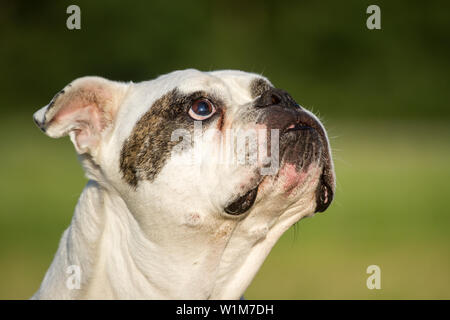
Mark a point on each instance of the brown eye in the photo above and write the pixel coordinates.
(201, 109)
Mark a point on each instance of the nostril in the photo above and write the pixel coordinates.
(275, 99)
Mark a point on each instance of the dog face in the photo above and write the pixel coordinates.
(220, 158)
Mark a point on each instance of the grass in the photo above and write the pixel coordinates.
(390, 210)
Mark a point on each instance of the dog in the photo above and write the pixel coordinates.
(163, 217)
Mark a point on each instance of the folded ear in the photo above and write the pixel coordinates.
(82, 110)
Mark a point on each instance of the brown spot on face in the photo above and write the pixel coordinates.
(258, 86)
(147, 149)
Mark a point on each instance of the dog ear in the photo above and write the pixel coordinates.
(84, 109)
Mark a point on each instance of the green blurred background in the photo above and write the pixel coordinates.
(383, 96)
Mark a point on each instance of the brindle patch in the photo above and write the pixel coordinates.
(258, 86)
(147, 149)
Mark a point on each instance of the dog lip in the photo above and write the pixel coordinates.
(243, 203)
(325, 188)
(324, 193)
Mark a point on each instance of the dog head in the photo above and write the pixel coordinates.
(220, 159)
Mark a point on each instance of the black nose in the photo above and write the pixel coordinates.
(276, 97)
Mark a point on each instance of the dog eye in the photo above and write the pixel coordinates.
(201, 109)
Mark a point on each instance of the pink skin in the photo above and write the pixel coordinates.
(292, 177)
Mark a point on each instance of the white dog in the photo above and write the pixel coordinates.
(164, 218)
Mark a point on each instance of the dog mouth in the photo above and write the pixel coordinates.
(324, 194)
(325, 187)
(295, 141)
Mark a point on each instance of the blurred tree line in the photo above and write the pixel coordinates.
(320, 51)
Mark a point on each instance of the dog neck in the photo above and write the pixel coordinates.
(116, 259)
